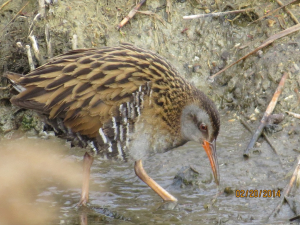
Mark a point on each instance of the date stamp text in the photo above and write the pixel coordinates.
(257, 193)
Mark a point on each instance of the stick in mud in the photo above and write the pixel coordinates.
(266, 115)
(48, 41)
(42, 9)
(288, 11)
(264, 44)
(35, 48)
(296, 115)
(4, 4)
(270, 13)
(131, 14)
(14, 18)
(29, 56)
(263, 133)
(74, 42)
(287, 190)
(216, 14)
(265, 136)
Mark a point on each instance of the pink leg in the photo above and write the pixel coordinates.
(87, 163)
(141, 173)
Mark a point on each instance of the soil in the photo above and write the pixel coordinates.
(198, 48)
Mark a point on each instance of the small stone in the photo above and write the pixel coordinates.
(196, 58)
(228, 191)
(256, 152)
(257, 144)
(19, 45)
(273, 128)
(275, 118)
(196, 68)
(259, 53)
(187, 176)
(232, 84)
(296, 67)
(291, 131)
(169, 205)
(271, 23)
(190, 34)
(225, 55)
(252, 117)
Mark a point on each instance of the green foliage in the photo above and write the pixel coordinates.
(27, 122)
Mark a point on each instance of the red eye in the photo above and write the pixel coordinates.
(203, 127)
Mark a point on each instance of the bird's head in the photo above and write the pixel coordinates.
(200, 122)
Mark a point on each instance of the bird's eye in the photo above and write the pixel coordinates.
(203, 127)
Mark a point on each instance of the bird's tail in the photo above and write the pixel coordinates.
(14, 79)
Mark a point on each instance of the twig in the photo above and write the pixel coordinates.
(19, 45)
(35, 47)
(296, 115)
(42, 7)
(268, 112)
(74, 42)
(268, 14)
(298, 95)
(131, 14)
(288, 11)
(270, 143)
(216, 14)
(33, 21)
(246, 125)
(4, 4)
(264, 134)
(168, 9)
(15, 16)
(152, 14)
(287, 189)
(48, 41)
(281, 21)
(264, 44)
(30, 60)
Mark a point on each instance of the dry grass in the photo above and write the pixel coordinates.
(27, 166)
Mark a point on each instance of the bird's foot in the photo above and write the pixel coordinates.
(83, 201)
(169, 205)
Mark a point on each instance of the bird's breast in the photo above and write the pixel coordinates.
(151, 135)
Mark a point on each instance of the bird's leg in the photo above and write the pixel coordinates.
(87, 163)
(141, 173)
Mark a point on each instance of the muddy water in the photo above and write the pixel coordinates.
(118, 197)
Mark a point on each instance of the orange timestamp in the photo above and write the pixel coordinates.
(257, 193)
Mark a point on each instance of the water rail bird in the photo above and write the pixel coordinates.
(120, 102)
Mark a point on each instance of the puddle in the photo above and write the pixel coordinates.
(117, 196)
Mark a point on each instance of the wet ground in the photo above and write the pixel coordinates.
(197, 48)
(118, 197)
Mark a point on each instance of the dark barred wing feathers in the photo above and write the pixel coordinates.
(97, 94)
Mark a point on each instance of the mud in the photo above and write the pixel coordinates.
(197, 48)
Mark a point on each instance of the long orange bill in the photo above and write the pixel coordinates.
(210, 149)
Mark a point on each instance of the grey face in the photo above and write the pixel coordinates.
(196, 124)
